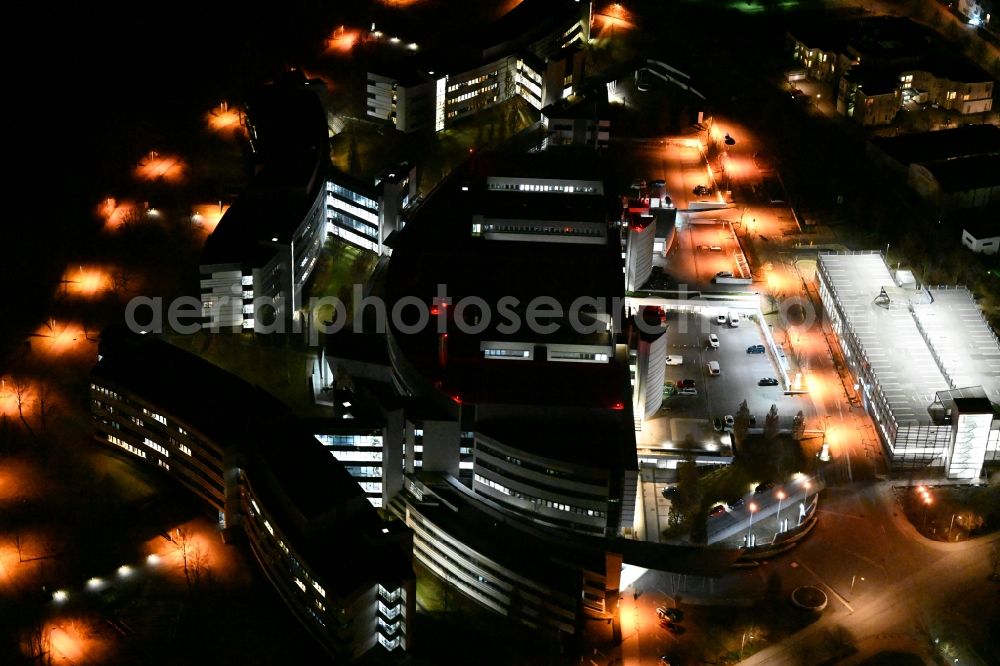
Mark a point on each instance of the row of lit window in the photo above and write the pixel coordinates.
(155, 416)
(537, 500)
(106, 392)
(357, 211)
(536, 187)
(509, 353)
(128, 447)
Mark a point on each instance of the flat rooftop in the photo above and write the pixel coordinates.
(900, 358)
(968, 351)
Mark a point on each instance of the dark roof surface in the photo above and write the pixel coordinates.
(943, 144)
(966, 173)
(273, 207)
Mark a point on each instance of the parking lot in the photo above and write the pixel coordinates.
(701, 251)
(689, 417)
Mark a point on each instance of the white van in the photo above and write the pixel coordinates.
(713, 368)
(734, 320)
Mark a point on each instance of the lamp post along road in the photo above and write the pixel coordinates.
(751, 508)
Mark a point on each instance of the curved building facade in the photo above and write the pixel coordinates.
(344, 572)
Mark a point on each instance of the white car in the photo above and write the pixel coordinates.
(675, 360)
(687, 391)
(713, 341)
(720, 319)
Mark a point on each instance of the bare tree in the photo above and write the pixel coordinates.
(44, 403)
(22, 390)
(194, 558)
(799, 426)
(120, 280)
(18, 538)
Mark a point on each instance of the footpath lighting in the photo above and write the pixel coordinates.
(59, 596)
(152, 559)
(124, 571)
(94, 583)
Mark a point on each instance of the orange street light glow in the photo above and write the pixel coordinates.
(156, 167)
(343, 40)
(207, 215)
(223, 119)
(115, 213)
(781, 494)
(87, 281)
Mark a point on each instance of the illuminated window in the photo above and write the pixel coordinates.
(302, 586)
(951, 94)
(184, 449)
(319, 588)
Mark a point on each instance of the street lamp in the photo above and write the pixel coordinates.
(853, 579)
(927, 502)
(751, 507)
(781, 496)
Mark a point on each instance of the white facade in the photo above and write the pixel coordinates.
(983, 244)
(904, 346)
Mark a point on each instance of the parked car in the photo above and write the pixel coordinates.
(753, 420)
(736, 503)
(672, 614)
(730, 421)
(675, 360)
(659, 182)
(755, 349)
(767, 381)
(670, 492)
(717, 510)
(713, 341)
(714, 368)
(715, 248)
(701, 190)
(685, 383)
(719, 424)
(723, 274)
(687, 391)
(763, 487)
(720, 319)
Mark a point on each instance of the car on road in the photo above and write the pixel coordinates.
(753, 420)
(763, 487)
(670, 492)
(687, 391)
(714, 369)
(701, 190)
(736, 503)
(719, 424)
(715, 248)
(717, 510)
(755, 349)
(730, 421)
(767, 381)
(723, 274)
(657, 182)
(713, 341)
(638, 184)
(675, 360)
(720, 319)
(685, 383)
(672, 614)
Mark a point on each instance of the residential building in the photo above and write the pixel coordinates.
(527, 53)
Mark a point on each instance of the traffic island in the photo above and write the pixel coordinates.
(809, 598)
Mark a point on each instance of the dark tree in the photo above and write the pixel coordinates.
(771, 423)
